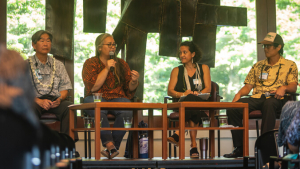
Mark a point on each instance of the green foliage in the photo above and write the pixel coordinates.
(24, 18)
(235, 46)
(157, 72)
(283, 4)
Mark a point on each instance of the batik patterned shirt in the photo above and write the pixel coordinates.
(282, 73)
(111, 89)
(44, 73)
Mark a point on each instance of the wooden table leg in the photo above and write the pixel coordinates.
(97, 133)
(85, 144)
(181, 132)
(150, 134)
(212, 134)
(135, 140)
(164, 133)
(71, 123)
(246, 132)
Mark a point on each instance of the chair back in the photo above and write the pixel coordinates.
(265, 146)
(214, 94)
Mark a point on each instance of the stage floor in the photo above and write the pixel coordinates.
(121, 162)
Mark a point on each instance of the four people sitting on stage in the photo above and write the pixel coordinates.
(50, 80)
(107, 74)
(189, 80)
(111, 76)
(275, 75)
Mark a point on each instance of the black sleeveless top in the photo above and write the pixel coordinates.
(181, 85)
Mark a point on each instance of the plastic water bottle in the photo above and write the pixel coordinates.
(143, 146)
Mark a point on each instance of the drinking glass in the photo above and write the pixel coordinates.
(205, 121)
(127, 122)
(97, 97)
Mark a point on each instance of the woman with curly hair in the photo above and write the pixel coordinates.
(190, 79)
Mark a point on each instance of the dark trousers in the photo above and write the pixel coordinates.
(61, 112)
(269, 108)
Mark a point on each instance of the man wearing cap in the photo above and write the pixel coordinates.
(50, 80)
(275, 75)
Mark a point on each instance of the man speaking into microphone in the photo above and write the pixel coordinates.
(274, 75)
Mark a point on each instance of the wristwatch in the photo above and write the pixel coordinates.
(60, 98)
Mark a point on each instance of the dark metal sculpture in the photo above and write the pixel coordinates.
(173, 19)
(94, 15)
(60, 22)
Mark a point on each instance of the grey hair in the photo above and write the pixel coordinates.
(99, 42)
(37, 36)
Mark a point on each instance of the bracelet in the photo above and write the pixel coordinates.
(182, 94)
(176, 95)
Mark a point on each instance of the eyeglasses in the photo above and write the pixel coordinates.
(111, 44)
(267, 46)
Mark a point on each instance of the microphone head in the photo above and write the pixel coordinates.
(111, 53)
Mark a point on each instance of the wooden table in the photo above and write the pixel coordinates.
(123, 106)
(211, 106)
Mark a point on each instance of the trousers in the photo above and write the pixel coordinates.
(269, 108)
(61, 112)
(107, 135)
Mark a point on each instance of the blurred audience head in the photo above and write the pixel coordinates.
(16, 90)
(293, 133)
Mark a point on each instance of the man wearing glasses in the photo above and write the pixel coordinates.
(275, 75)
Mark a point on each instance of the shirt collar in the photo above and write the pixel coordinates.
(48, 61)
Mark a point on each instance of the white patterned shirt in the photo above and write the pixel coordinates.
(44, 73)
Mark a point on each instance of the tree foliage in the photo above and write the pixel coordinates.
(235, 46)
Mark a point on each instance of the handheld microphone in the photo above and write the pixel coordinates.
(267, 94)
(111, 54)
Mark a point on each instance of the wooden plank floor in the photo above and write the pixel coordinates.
(121, 162)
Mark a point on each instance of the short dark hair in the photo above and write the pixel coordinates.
(281, 50)
(192, 48)
(37, 36)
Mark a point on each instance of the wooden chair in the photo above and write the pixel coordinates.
(51, 121)
(174, 116)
